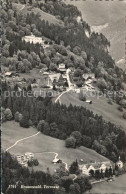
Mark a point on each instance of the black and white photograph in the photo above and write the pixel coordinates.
(63, 96)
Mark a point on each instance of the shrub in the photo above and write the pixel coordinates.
(36, 163)
(120, 108)
(70, 142)
(81, 96)
(110, 101)
(20, 116)
(24, 122)
(16, 116)
(8, 114)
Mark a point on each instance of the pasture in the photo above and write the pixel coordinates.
(99, 106)
(43, 15)
(41, 145)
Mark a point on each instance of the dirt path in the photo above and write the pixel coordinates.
(22, 140)
(58, 98)
(56, 157)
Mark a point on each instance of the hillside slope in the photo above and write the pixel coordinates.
(109, 13)
(41, 146)
(100, 106)
(44, 16)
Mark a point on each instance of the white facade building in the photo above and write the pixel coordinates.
(119, 163)
(33, 39)
(86, 168)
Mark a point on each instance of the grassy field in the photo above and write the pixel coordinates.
(100, 106)
(41, 144)
(11, 132)
(117, 186)
(44, 16)
(34, 74)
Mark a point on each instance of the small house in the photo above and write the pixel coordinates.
(29, 155)
(62, 67)
(56, 161)
(9, 74)
(89, 101)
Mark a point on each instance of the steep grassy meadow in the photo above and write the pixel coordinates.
(107, 17)
(99, 106)
(44, 16)
(41, 145)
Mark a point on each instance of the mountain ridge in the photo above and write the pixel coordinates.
(98, 13)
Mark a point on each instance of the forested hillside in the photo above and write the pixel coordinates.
(59, 121)
(90, 52)
(63, 39)
(107, 17)
(75, 35)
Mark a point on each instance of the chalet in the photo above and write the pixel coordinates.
(9, 74)
(62, 67)
(29, 155)
(89, 101)
(56, 161)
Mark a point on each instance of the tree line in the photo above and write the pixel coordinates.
(77, 125)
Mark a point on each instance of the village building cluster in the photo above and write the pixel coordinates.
(23, 159)
(54, 80)
(61, 79)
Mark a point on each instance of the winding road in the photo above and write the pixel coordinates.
(56, 157)
(69, 84)
(58, 98)
(56, 154)
(22, 140)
